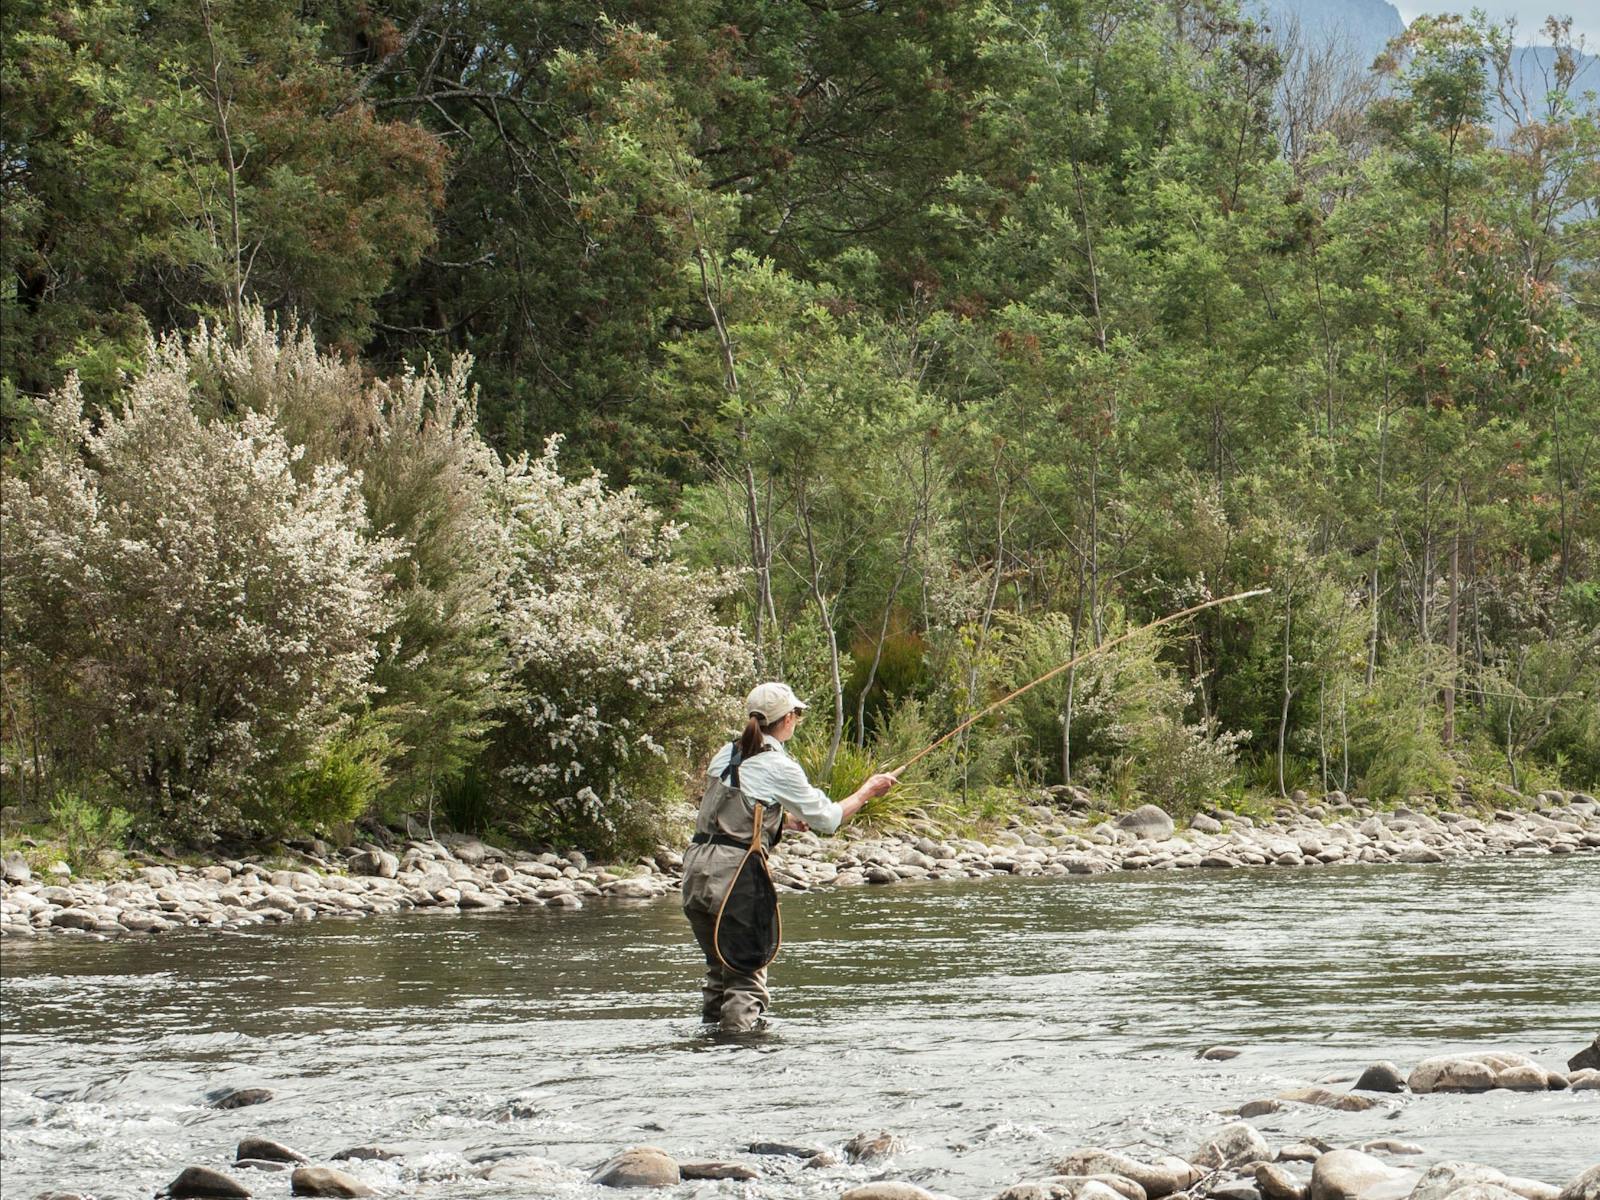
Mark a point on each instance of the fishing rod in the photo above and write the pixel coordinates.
(1072, 662)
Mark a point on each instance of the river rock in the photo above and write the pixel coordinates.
(239, 1097)
(1276, 1183)
(872, 1147)
(1235, 1145)
(638, 1166)
(253, 1147)
(717, 1170)
(15, 867)
(1157, 1181)
(1587, 1059)
(1584, 1187)
(631, 889)
(203, 1182)
(783, 1150)
(1259, 1108)
(1352, 1175)
(1478, 1073)
(1321, 1097)
(1381, 1077)
(1147, 821)
(326, 1181)
(1390, 1146)
(890, 1189)
(375, 862)
(367, 1154)
(1220, 1053)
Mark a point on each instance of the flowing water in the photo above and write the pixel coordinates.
(989, 1024)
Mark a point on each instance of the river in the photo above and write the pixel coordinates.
(990, 1024)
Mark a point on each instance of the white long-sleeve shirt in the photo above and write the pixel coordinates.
(773, 776)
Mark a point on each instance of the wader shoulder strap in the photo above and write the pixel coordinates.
(730, 773)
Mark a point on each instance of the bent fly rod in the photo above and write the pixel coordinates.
(1072, 662)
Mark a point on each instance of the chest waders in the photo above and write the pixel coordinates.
(748, 928)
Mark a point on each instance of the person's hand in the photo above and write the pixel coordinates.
(795, 825)
(878, 785)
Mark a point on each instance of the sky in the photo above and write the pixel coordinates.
(1530, 15)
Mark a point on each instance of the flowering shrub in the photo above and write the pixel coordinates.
(621, 669)
(183, 614)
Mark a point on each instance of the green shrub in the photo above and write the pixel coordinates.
(335, 788)
(88, 831)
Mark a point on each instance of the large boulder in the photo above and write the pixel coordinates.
(326, 1181)
(638, 1166)
(15, 867)
(1276, 1183)
(1352, 1175)
(1147, 821)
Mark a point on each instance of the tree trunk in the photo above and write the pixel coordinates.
(1452, 628)
(1288, 692)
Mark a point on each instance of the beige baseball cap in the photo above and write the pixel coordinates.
(771, 702)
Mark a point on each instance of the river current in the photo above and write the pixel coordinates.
(990, 1024)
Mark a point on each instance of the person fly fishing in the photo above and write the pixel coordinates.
(754, 791)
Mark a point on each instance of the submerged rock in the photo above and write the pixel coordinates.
(871, 1147)
(783, 1149)
(239, 1097)
(1220, 1053)
(367, 1154)
(638, 1166)
(1157, 1181)
(1321, 1097)
(326, 1181)
(203, 1183)
(717, 1170)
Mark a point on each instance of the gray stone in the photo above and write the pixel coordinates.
(1381, 1077)
(1078, 1187)
(367, 1154)
(1235, 1145)
(203, 1182)
(1147, 821)
(1585, 1187)
(1221, 1053)
(375, 862)
(890, 1189)
(253, 1147)
(872, 1147)
(783, 1150)
(638, 1166)
(15, 868)
(1276, 1183)
(717, 1170)
(1352, 1175)
(75, 918)
(326, 1181)
(1390, 1146)
(1259, 1108)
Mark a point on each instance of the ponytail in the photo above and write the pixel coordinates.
(752, 739)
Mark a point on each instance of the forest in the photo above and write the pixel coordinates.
(454, 406)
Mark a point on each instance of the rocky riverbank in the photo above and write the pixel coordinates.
(396, 871)
(1235, 1161)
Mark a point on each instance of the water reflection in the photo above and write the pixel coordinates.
(991, 1024)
